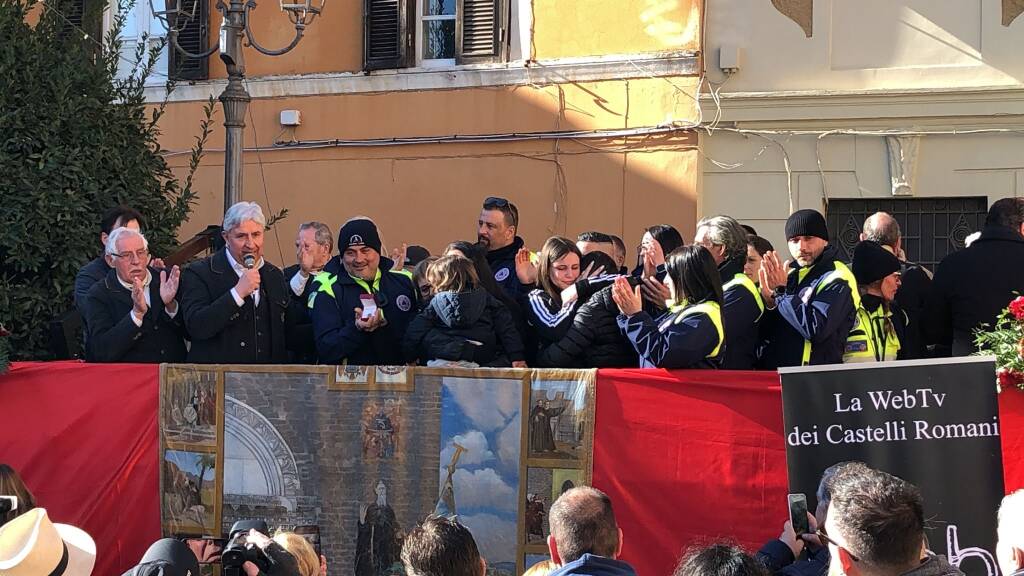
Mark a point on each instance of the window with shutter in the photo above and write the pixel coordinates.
(387, 36)
(84, 16)
(193, 37)
(481, 31)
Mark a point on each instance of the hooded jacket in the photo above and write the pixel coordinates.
(503, 264)
(816, 307)
(472, 326)
(332, 305)
(590, 565)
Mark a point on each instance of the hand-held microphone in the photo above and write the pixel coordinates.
(249, 261)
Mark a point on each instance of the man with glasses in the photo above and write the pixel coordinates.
(236, 304)
(133, 311)
(496, 232)
(875, 527)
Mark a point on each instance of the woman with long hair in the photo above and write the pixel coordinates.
(690, 333)
(12, 485)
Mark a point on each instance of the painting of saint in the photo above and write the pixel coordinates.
(534, 518)
(542, 438)
(381, 425)
(377, 544)
(189, 490)
(189, 407)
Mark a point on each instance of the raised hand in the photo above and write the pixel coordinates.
(169, 286)
(655, 291)
(139, 305)
(526, 270)
(398, 257)
(626, 298)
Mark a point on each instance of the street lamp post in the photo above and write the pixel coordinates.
(235, 98)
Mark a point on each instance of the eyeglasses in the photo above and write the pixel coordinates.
(824, 538)
(139, 255)
(425, 289)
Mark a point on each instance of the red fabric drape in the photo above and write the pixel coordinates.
(84, 439)
(687, 457)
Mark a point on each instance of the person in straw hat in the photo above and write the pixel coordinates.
(31, 545)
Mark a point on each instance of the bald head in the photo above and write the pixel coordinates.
(881, 227)
(582, 522)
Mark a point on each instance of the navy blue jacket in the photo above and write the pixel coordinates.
(334, 327)
(503, 264)
(593, 340)
(665, 343)
(590, 565)
(741, 315)
(778, 558)
(823, 317)
(94, 271)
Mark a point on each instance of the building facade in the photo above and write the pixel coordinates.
(534, 90)
(910, 106)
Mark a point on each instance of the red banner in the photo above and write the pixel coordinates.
(687, 457)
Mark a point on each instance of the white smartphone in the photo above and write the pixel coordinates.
(369, 306)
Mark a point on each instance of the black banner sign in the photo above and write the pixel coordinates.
(934, 423)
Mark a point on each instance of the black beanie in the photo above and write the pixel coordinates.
(872, 262)
(359, 232)
(806, 223)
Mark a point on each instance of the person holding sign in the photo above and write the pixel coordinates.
(360, 305)
(816, 296)
(876, 336)
(690, 334)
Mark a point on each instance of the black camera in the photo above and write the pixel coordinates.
(8, 503)
(239, 550)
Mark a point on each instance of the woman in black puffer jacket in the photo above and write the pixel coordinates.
(463, 322)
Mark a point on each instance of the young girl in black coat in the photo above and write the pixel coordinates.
(463, 322)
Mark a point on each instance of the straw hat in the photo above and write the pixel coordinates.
(31, 545)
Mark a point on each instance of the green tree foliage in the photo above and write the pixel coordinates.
(75, 140)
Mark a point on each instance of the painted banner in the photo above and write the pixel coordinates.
(934, 423)
(354, 457)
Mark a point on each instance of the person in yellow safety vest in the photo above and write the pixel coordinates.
(690, 334)
(360, 305)
(742, 306)
(880, 323)
(815, 297)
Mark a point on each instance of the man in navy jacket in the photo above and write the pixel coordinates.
(351, 282)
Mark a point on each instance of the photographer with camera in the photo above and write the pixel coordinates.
(251, 552)
(15, 497)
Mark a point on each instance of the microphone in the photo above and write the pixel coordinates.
(249, 261)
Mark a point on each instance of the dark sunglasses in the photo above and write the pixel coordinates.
(824, 538)
(496, 202)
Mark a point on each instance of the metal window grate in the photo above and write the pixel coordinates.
(931, 227)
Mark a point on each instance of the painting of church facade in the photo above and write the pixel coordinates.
(359, 465)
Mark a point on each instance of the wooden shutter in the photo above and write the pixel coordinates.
(481, 31)
(194, 37)
(388, 33)
(84, 16)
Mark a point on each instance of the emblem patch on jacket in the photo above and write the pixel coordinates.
(403, 302)
(501, 275)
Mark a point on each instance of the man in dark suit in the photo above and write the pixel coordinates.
(132, 312)
(313, 247)
(234, 303)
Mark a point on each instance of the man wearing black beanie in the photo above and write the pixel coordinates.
(360, 306)
(880, 324)
(815, 297)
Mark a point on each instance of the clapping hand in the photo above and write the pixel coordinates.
(526, 270)
(398, 257)
(771, 275)
(169, 288)
(655, 291)
(139, 305)
(626, 297)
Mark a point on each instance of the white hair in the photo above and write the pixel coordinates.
(1011, 520)
(242, 212)
(122, 233)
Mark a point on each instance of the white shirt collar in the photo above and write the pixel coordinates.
(238, 268)
(128, 286)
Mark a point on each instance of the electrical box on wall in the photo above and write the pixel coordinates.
(291, 118)
(730, 57)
